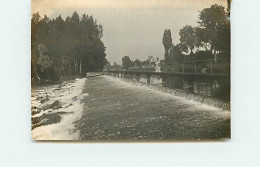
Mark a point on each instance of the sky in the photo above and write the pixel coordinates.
(132, 28)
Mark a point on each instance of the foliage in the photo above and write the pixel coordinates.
(167, 43)
(126, 62)
(74, 44)
(167, 39)
(214, 28)
(175, 53)
(211, 39)
(188, 38)
(137, 63)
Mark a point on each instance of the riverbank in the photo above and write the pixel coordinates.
(42, 83)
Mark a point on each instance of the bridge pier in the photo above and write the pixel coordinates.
(164, 80)
(137, 77)
(148, 79)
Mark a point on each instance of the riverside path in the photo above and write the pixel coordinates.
(118, 111)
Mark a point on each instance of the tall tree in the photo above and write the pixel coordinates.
(35, 21)
(167, 43)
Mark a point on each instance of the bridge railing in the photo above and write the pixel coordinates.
(209, 67)
(221, 66)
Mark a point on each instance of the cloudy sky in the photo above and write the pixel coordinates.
(131, 27)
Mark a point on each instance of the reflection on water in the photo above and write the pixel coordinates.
(207, 86)
(215, 88)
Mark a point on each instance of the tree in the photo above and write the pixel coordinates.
(167, 43)
(137, 63)
(126, 62)
(188, 38)
(35, 20)
(74, 45)
(212, 21)
(175, 53)
(34, 37)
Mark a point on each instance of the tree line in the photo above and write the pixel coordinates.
(210, 39)
(69, 47)
(128, 63)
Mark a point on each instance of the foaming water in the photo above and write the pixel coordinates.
(69, 108)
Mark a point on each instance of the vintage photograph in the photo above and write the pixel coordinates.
(130, 70)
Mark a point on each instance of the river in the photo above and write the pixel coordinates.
(106, 109)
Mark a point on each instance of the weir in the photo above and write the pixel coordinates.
(211, 89)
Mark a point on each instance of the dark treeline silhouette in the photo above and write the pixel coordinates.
(69, 47)
(209, 40)
(127, 63)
